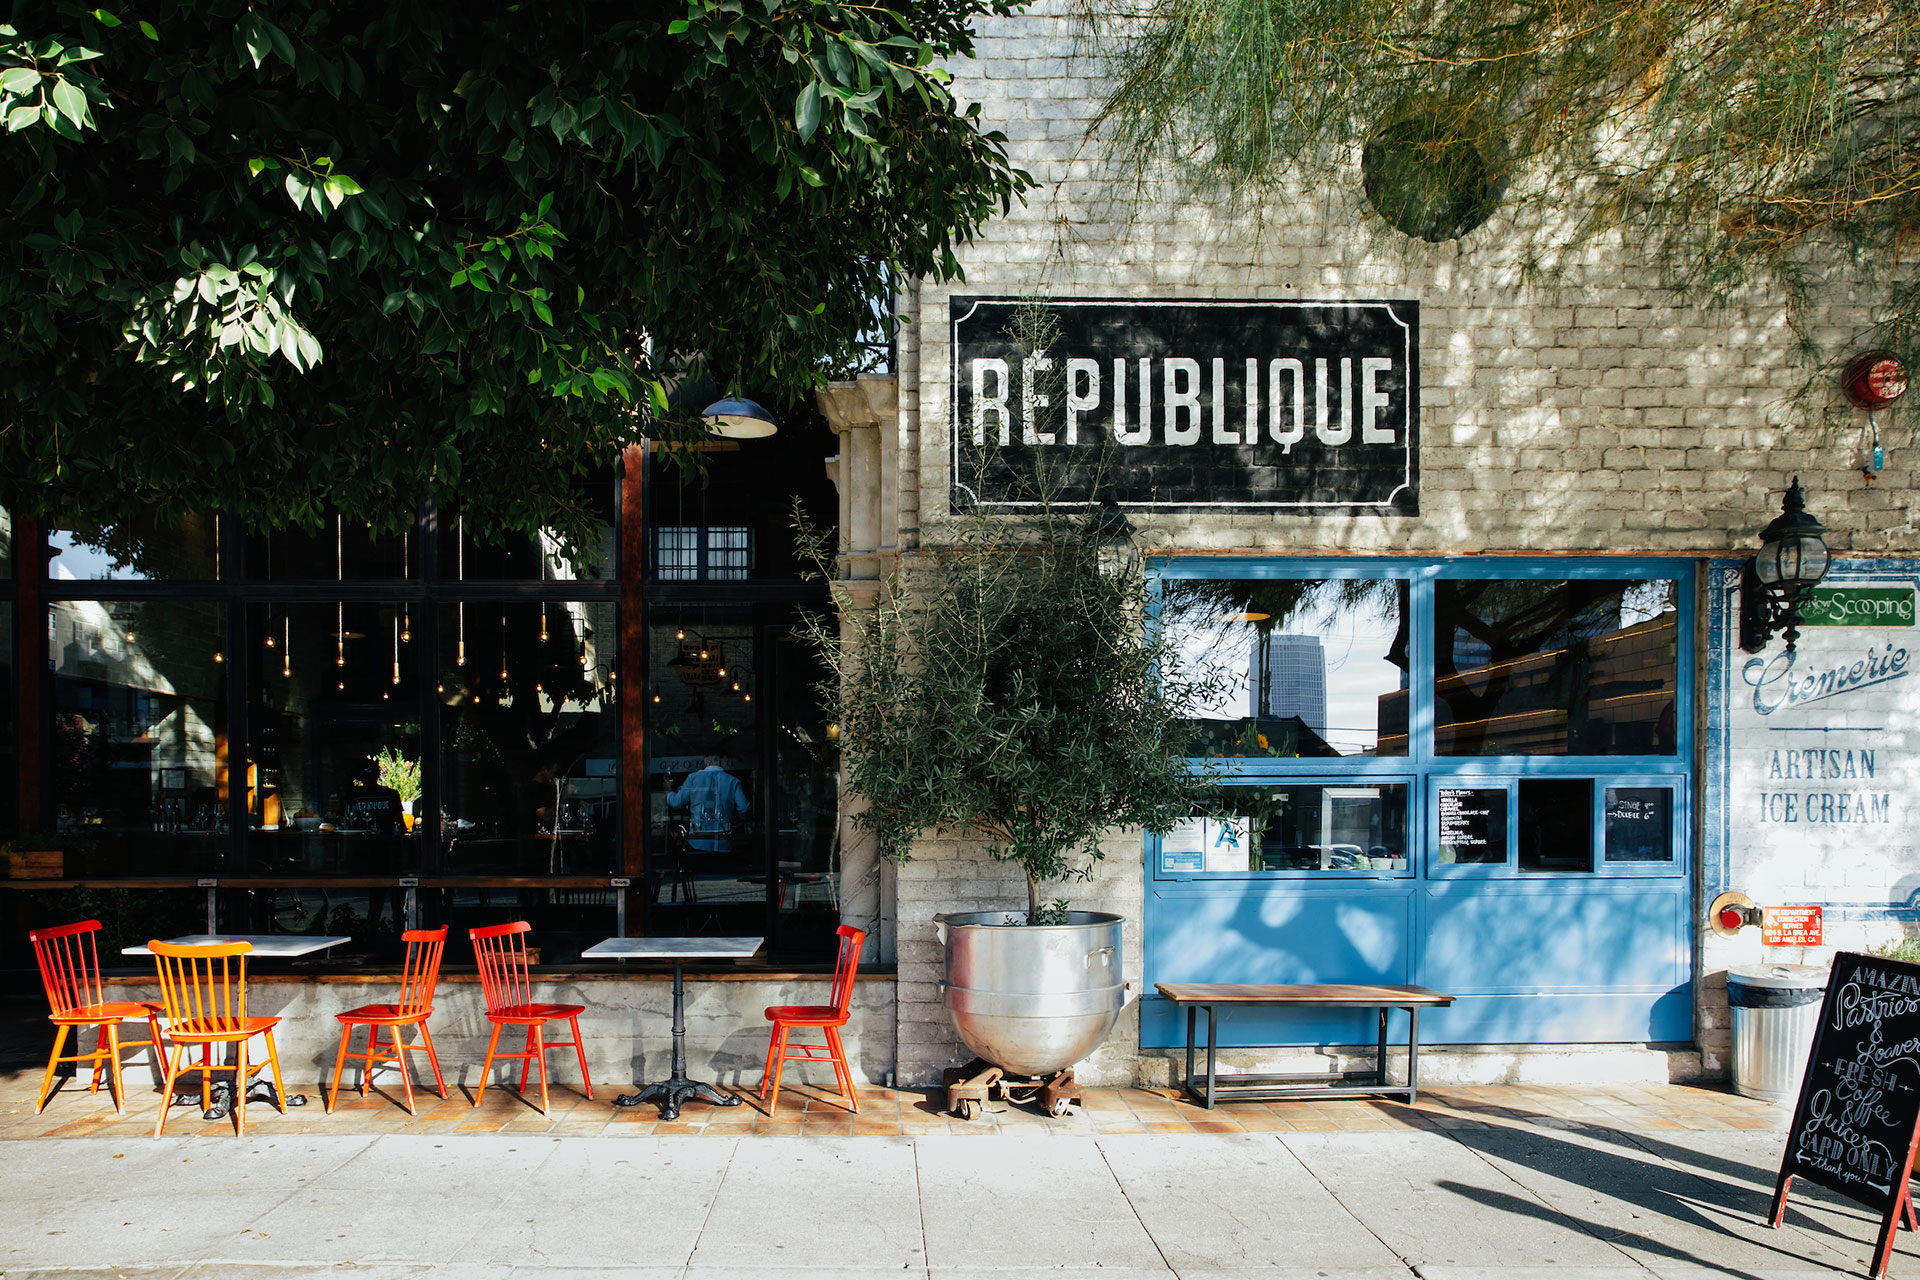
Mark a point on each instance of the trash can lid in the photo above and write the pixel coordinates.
(1790, 976)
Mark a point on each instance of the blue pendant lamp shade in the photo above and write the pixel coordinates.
(739, 418)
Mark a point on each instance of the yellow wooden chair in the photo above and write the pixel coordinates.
(204, 990)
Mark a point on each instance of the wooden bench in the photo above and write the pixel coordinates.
(1210, 996)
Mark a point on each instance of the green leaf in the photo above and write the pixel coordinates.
(806, 110)
(21, 80)
(69, 100)
(146, 29)
(20, 117)
(678, 27)
(105, 19)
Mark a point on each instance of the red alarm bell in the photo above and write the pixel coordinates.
(1874, 379)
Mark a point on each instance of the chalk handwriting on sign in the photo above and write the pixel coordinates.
(1307, 406)
(1638, 824)
(1473, 824)
(1790, 927)
(1853, 1130)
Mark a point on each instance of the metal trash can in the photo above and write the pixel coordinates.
(1776, 1009)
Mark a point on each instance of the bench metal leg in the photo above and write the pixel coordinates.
(1213, 1048)
(1413, 1053)
(1380, 1051)
(1192, 1012)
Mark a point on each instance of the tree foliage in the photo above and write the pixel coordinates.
(1012, 685)
(1720, 136)
(287, 257)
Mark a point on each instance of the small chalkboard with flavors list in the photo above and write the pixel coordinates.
(1859, 1111)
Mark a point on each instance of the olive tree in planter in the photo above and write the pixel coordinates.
(1010, 684)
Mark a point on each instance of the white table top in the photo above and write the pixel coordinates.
(672, 949)
(264, 944)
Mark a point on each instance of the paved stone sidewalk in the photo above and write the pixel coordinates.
(1473, 1184)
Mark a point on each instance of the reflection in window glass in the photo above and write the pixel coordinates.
(137, 751)
(701, 553)
(370, 919)
(1544, 667)
(137, 547)
(1296, 827)
(565, 921)
(6, 543)
(343, 551)
(707, 853)
(333, 782)
(1556, 824)
(1304, 669)
(529, 738)
(486, 555)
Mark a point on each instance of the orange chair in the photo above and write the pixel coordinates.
(501, 952)
(204, 989)
(828, 1017)
(418, 977)
(69, 958)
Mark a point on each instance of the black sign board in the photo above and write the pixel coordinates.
(1639, 824)
(1854, 1128)
(1473, 824)
(377, 812)
(1304, 407)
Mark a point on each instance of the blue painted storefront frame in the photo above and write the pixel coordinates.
(1602, 956)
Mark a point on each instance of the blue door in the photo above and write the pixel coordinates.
(1474, 777)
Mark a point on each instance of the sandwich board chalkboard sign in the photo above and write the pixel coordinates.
(1855, 1125)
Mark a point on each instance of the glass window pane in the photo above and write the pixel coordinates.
(1639, 824)
(128, 918)
(343, 551)
(9, 746)
(806, 795)
(1545, 667)
(708, 871)
(1472, 825)
(1331, 827)
(481, 555)
(6, 543)
(565, 921)
(529, 738)
(136, 548)
(370, 919)
(334, 776)
(1299, 669)
(137, 758)
(1556, 824)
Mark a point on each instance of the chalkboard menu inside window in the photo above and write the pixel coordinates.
(1639, 824)
(1853, 1130)
(377, 812)
(1473, 824)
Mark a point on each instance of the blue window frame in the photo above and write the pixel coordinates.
(1534, 716)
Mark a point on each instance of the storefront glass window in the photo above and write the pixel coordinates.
(137, 548)
(1303, 668)
(342, 551)
(1531, 666)
(6, 543)
(335, 740)
(529, 738)
(1356, 826)
(479, 555)
(9, 738)
(1556, 824)
(137, 753)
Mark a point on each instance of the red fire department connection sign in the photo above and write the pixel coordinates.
(1790, 927)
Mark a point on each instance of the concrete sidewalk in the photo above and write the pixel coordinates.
(1447, 1191)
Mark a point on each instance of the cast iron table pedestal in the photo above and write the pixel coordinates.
(676, 1088)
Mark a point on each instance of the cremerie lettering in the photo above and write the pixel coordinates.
(1776, 684)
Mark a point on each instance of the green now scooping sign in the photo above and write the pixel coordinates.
(1859, 607)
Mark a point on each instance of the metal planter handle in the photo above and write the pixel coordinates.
(1097, 951)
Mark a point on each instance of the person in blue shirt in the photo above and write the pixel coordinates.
(713, 801)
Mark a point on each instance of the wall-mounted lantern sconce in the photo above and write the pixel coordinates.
(1781, 575)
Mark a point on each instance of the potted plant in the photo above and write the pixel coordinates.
(1012, 686)
(402, 775)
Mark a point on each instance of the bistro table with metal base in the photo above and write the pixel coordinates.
(676, 1088)
(279, 946)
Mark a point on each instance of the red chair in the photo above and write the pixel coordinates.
(828, 1017)
(418, 977)
(69, 958)
(501, 952)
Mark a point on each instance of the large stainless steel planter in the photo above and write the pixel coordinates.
(1032, 999)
